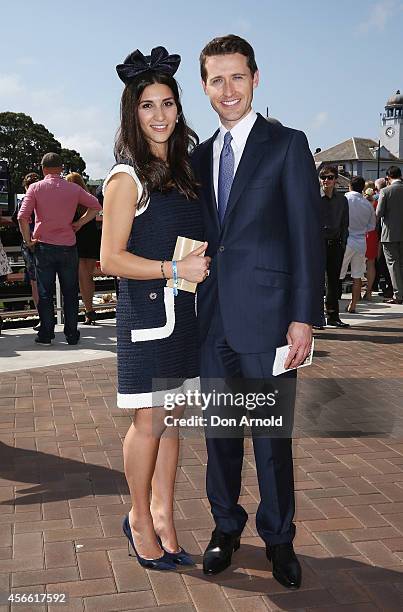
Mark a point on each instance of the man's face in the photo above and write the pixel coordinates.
(328, 181)
(229, 85)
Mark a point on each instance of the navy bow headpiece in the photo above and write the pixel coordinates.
(136, 63)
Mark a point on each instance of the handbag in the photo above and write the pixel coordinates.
(5, 267)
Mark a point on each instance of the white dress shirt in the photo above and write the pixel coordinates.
(361, 220)
(239, 133)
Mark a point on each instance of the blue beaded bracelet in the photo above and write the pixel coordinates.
(175, 277)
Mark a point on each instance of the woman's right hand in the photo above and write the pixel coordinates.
(195, 266)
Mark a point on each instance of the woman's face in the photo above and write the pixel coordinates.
(157, 112)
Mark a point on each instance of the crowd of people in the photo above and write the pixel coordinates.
(362, 234)
(364, 231)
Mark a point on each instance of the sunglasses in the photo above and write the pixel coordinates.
(328, 177)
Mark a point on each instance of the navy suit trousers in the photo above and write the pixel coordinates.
(273, 455)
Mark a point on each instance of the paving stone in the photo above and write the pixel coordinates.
(377, 553)
(303, 599)
(130, 576)
(170, 590)
(121, 601)
(208, 598)
(336, 543)
(48, 576)
(59, 554)
(368, 516)
(93, 565)
(27, 545)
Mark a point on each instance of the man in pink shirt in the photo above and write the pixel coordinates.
(54, 202)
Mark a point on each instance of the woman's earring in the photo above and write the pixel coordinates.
(177, 120)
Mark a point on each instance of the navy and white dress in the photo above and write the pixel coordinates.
(157, 336)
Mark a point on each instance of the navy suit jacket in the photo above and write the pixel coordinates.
(267, 264)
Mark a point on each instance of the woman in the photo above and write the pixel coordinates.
(372, 242)
(5, 270)
(150, 200)
(88, 244)
(27, 254)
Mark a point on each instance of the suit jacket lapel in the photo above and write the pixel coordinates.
(252, 154)
(208, 179)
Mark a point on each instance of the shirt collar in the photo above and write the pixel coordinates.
(398, 180)
(49, 177)
(323, 194)
(240, 131)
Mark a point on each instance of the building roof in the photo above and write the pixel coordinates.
(352, 149)
(395, 101)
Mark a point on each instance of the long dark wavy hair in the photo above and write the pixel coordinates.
(131, 145)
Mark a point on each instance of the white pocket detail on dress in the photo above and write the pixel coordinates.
(157, 333)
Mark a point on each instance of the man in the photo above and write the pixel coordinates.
(261, 206)
(382, 272)
(361, 220)
(390, 211)
(54, 202)
(335, 214)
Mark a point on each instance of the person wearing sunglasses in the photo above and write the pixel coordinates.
(336, 219)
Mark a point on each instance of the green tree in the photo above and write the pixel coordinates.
(73, 162)
(23, 144)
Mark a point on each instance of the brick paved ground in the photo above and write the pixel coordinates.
(62, 492)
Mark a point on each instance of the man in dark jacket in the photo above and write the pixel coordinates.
(335, 219)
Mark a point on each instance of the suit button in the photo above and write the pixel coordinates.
(153, 296)
(221, 248)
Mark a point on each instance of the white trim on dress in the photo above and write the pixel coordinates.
(157, 333)
(155, 398)
(128, 170)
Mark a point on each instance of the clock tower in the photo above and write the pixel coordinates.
(391, 136)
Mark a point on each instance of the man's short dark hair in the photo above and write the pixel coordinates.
(394, 172)
(51, 160)
(226, 45)
(357, 183)
(328, 169)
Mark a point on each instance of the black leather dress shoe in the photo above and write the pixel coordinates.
(337, 323)
(286, 567)
(218, 554)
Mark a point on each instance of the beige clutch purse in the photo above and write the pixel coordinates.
(183, 247)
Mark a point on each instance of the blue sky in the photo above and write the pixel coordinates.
(326, 68)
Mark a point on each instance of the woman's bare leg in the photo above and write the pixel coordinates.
(86, 269)
(140, 450)
(163, 485)
(356, 293)
(371, 273)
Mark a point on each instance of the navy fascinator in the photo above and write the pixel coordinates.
(136, 63)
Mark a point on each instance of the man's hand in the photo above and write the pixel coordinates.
(30, 244)
(299, 336)
(77, 225)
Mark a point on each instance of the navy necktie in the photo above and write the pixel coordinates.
(225, 175)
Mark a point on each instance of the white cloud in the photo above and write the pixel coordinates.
(85, 129)
(319, 119)
(90, 148)
(10, 85)
(379, 15)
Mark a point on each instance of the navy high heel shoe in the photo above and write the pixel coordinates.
(180, 558)
(162, 563)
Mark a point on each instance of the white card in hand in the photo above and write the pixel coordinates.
(281, 356)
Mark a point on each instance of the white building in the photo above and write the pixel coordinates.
(366, 157)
